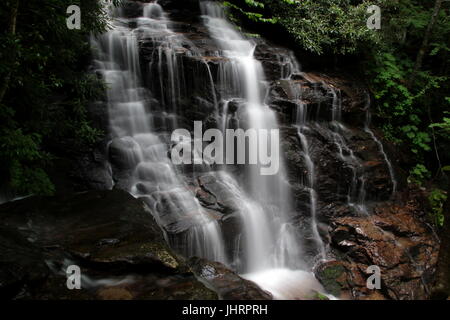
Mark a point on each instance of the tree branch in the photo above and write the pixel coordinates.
(12, 31)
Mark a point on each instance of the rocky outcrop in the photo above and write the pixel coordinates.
(110, 235)
(121, 237)
(350, 171)
(226, 283)
(396, 240)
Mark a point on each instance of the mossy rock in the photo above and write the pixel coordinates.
(333, 278)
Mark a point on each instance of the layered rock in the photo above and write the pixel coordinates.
(396, 240)
(110, 235)
(390, 236)
(227, 284)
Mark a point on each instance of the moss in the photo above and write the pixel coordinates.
(333, 272)
(320, 296)
(163, 254)
(317, 296)
(157, 251)
(200, 292)
(329, 277)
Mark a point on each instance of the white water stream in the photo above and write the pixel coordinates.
(273, 252)
(132, 122)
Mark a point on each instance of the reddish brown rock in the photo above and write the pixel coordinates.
(396, 240)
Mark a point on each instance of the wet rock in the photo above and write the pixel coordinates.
(226, 283)
(395, 239)
(82, 170)
(114, 293)
(155, 287)
(275, 60)
(123, 153)
(132, 9)
(98, 114)
(224, 199)
(109, 234)
(181, 6)
(333, 277)
(21, 264)
(293, 153)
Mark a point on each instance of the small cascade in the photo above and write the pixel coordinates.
(367, 124)
(160, 80)
(8, 196)
(356, 195)
(271, 243)
(287, 284)
(267, 235)
(310, 181)
(135, 113)
(302, 125)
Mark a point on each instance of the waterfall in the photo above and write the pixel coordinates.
(310, 181)
(367, 124)
(291, 67)
(272, 250)
(356, 195)
(133, 115)
(269, 240)
(145, 105)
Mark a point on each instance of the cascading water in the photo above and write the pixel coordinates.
(310, 181)
(272, 251)
(290, 69)
(262, 227)
(367, 124)
(356, 197)
(132, 112)
(144, 107)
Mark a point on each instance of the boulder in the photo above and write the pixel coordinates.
(225, 282)
(395, 239)
(112, 237)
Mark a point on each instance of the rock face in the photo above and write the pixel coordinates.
(394, 239)
(109, 234)
(353, 186)
(227, 284)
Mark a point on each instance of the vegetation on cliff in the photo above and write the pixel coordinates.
(44, 88)
(406, 64)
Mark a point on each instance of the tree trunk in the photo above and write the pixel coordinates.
(441, 289)
(12, 31)
(427, 36)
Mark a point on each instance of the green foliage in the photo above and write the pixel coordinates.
(48, 88)
(437, 198)
(318, 296)
(253, 16)
(254, 4)
(409, 101)
(402, 105)
(319, 26)
(419, 174)
(23, 150)
(443, 127)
